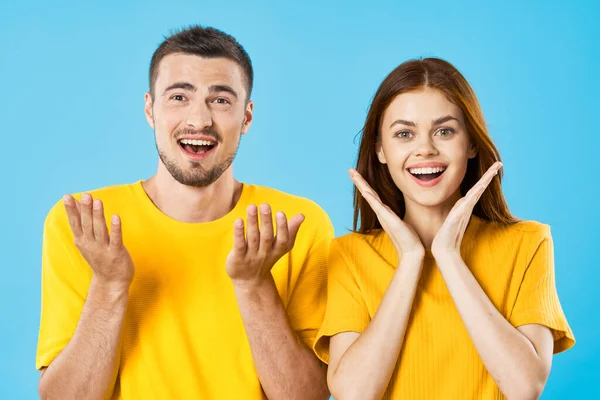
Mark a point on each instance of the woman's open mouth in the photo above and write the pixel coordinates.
(427, 176)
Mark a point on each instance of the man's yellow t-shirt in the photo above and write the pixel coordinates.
(515, 267)
(183, 336)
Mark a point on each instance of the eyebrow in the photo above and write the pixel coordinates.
(181, 85)
(403, 122)
(441, 120)
(437, 121)
(223, 88)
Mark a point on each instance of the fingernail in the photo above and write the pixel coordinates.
(280, 215)
(239, 223)
(67, 199)
(85, 198)
(115, 219)
(265, 209)
(97, 204)
(252, 209)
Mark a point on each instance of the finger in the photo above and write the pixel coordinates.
(116, 232)
(477, 190)
(361, 184)
(293, 228)
(373, 199)
(266, 228)
(239, 240)
(252, 232)
(87, 221)
(73, 215)
(282, 232)
(100, 229)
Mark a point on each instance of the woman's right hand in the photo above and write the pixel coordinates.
(404, 238)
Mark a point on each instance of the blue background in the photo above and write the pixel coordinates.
(73, 77)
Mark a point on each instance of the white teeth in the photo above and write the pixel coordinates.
(197, 142)
(425, 171)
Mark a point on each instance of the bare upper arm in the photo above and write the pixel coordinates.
(338, 345)
(542, 339)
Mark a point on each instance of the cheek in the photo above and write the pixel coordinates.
(457, 153)
(166, 121)
(396, 155)
(229, 119)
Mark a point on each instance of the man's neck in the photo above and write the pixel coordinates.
(193, 204)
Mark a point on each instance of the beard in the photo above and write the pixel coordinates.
(196, 175)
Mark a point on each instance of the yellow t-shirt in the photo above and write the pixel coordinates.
(514, 266)
(183, 336)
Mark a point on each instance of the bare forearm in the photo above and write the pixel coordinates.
(87, 366)
(365, 369)
(508, 355)
(286, 367)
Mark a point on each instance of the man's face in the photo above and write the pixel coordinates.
(199, 110)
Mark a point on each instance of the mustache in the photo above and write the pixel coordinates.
(213, 133)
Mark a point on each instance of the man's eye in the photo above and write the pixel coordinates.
(178, 97)
(221, 100)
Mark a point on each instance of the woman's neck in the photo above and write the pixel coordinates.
(427, 220)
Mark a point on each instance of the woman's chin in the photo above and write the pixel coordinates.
(431, 199)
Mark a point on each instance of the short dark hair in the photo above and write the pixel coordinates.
(204, 42)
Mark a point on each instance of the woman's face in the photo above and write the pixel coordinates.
(425, 146)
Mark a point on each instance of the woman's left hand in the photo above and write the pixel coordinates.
(449, 237)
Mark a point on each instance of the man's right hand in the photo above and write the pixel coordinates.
(105, 253)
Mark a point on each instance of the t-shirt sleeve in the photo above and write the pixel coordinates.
(65, 282)
(537, 300)
(346, 309)
(309, 295)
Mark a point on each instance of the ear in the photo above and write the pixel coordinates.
(247, 117)
(379, 152)
(148, 109)
(472, 152)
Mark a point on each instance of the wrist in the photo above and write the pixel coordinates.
(417, 254)
(108, 288)
(254, 286)
(443, 256)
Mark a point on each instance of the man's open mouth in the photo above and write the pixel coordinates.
(194, 146)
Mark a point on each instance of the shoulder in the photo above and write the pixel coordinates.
(522, 236)
(372, 245)
(355, 239)
(290, 204)
(525, 228)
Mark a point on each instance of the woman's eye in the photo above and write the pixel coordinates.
(404, 135)
(445, 132)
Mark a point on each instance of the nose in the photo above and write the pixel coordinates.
(425, 147)
(199, 116)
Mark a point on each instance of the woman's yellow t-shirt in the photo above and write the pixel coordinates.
(515, 267)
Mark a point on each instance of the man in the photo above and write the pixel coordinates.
(195, 290)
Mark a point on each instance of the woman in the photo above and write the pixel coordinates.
(436, 295)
